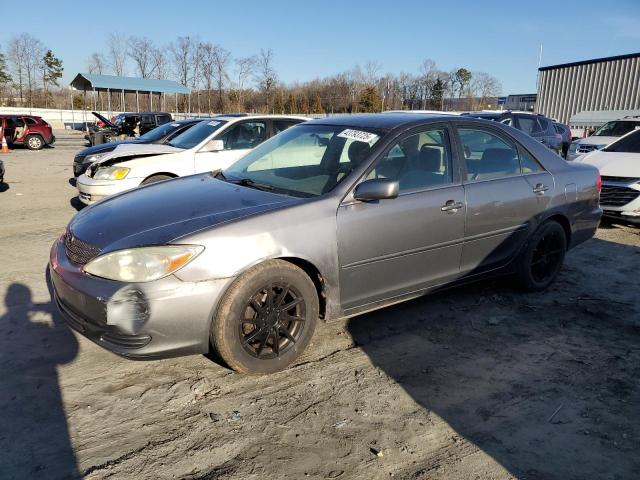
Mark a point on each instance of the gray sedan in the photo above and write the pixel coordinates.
(331, 218)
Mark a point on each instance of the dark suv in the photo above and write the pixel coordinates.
(32, 132)
(125, 124)
(158, 135)
(537, 126)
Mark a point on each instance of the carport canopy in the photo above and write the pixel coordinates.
(597, 118)
(112, 83)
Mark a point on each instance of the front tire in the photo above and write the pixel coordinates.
(543, 257)
(266, 319)
(34, 142)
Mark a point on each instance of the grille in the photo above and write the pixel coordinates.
(78, 251)
(586, 148)
(620, 179)
(617, 196)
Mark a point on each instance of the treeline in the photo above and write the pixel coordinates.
(221, 82)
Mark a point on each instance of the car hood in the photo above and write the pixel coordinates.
(104, 147)
(129, 151)
(103, 119)
(165, 211)
(597, 140)
(614, 164)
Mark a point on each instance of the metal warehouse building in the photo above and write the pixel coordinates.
(610, 83)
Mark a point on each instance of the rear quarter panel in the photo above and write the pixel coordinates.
(575, 195)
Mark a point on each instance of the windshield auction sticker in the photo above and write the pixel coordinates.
(359, 135)
(213, 123)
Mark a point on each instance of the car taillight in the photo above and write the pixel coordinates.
(599, 183)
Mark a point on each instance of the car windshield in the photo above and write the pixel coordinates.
(627, 144)
(159, 133)
(196, 135)
(616, 128)
(306, 160)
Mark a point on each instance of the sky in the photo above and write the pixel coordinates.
(314, 39)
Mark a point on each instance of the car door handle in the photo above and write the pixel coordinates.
(540, 188)
(451, 206)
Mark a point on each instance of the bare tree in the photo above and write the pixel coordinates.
(372, 72)
(142, 51)
(245, 68)
(117, 54)
(266, 75)
(161, 63)
(197, 54)
(16, 56)
(25, 55)
(485, 88)
(181, 56)
(221, 58)
(96, 63)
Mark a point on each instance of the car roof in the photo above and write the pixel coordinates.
(379, 121)
(239, 118)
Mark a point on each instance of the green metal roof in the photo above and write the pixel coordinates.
(102, 83)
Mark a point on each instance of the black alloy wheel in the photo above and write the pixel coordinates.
(273, 321)
(542, 257)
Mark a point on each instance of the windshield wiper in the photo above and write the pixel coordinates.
(247, 182)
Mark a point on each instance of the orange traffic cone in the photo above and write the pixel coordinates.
(5, 146)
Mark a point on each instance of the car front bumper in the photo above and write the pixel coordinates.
(614, 192)
(91, 190)
(159, 319)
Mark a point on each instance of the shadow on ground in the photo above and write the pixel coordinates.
(546, 384)
(34, 436)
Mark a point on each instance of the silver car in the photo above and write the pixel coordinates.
(331, 218)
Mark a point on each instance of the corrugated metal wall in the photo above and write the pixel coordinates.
(605, 85)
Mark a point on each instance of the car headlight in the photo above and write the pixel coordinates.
(94, 158)
(143, 264)
(573, 147)
(111, 173)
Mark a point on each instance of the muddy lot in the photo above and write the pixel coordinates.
(481, 382)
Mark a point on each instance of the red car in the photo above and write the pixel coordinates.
(33, 132)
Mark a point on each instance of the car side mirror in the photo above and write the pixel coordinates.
(213, 146)
(376, 189)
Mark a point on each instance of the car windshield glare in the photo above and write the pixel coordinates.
(628, 144)
(197, 134)
(159, 132)
(616, 128)
(306, 160)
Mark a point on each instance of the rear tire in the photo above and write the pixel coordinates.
(266, 319)
(156, 178)
(34, 142)
(542, 258)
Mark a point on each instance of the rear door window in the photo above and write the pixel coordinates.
(162, 119)
(488, 156)
(245, 135)
(282, 125)
(529, 125)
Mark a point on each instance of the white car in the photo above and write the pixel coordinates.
(605, 135)
(210, 145)
(619, 166)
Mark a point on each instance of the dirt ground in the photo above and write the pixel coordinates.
(480, 382)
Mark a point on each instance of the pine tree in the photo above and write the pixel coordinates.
(369, 100)
(317, 104)
(51, 72)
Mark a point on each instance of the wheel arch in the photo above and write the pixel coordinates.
(316, 277)
(564, 223)
(155, 174)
